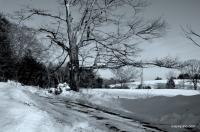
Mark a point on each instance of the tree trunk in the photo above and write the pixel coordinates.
(194, 81)
(121, 84)
(74, 68)
(195, 84)
(73, 51)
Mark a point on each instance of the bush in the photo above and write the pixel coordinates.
(139, 86)
(31, 72)
(161, 85)
(184, 76)
(170, 83)
(7, 61)
(143, 87)
(88, 79)
(147, 87)
(158, 78)
(121, 87)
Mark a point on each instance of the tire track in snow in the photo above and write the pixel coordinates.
(113, 121)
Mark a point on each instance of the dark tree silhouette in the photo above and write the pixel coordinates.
(170, 83)
(192, 68)
(31, 72)
(7, 61)
(183, 76)
(158, 78)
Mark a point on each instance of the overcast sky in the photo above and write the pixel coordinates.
(176, 13)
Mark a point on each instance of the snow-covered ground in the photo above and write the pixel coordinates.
(23, 110)
(28, 109)
(175, 113)
(137, 93)
(160, 84)
(171, 109)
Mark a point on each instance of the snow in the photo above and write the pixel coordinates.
(63, 86)
(137, 93)
(23, 110)
(162, 107)
(168, 111)
(165, 108)
(154, 84)
(18, 111)
(27, 108)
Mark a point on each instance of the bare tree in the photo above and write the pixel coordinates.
(170, 83)
(24, 39)
(193, 70)
(125, 74)
(183, 79)
(192, 36)
(171, 74)
(104, 27)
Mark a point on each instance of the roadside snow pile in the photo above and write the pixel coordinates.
(18, 111)
(61, 88)
(168, 111)
(27, 109)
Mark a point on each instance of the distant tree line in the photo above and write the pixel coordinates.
(20, 60)
(124, 75)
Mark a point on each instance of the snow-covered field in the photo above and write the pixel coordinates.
(160, 84)
(28, 109)
(138, 93)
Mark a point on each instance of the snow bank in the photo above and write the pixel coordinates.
(26, 109)
(20, 113)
